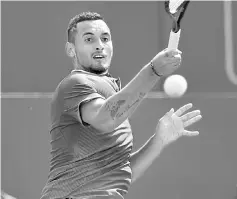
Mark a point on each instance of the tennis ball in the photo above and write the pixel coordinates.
(175, 86)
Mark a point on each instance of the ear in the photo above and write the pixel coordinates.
(70, 49)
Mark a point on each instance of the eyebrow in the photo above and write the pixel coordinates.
(87, 33)
(90, 33)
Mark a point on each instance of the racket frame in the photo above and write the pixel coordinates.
(177, 17)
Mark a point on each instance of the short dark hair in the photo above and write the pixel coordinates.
(84, 16)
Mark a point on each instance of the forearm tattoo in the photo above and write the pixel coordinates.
(121, 107)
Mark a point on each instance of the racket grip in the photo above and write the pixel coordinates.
(174, 40)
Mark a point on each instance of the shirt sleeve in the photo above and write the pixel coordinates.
(79, 90)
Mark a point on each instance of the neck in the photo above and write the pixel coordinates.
(83, 69)
(78, 66)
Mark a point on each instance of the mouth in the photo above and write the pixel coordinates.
(98, 56)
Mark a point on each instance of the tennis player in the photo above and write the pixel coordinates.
(91, 138)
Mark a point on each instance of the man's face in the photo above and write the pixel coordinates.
(93, 46)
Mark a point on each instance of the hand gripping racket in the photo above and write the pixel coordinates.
(176, 10)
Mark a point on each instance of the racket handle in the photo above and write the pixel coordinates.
(174, 40)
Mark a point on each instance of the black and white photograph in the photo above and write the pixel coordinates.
(119, 99)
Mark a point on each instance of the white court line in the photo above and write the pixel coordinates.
(151, 95)
(199, 95)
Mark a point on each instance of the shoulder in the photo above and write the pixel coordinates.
(78, 81)
(79, 78)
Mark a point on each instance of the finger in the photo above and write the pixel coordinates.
(173, 61)
(170, 113)
(177, 57)
(190, 115)
(180, 52)
(174, 58)
(184, 108)
(190, 133)
(176, 65)
(172, 52)
(192, 121)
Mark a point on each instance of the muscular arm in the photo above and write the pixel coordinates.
(142, 159)
(107, 114)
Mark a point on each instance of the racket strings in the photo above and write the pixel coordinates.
(176, 10)
(174, 5)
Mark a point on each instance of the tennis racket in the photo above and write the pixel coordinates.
(176, 10)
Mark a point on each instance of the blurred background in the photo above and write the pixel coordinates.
(33, 60)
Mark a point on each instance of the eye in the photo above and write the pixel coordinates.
(89, 39)
(105, 39)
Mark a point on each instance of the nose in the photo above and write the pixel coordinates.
(99, 46)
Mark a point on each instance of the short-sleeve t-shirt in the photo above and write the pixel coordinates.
(85, 162)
